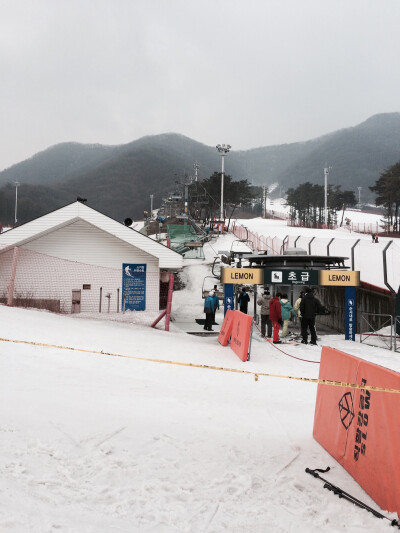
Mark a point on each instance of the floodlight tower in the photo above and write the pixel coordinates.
(223, 149)
(196, 171)
(326, 174)
(265, 200)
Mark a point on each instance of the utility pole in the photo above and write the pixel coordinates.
(326, 174)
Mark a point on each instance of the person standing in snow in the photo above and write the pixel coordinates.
(287, 311)
(309, 308)
(209, 309)
(216, 302)
(243, 301)
(297, 303)
(275, 315)
(263, 301)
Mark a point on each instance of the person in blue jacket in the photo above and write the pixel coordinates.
(216, 302)
(209, 309)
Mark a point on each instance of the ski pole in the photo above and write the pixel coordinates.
(343, 494)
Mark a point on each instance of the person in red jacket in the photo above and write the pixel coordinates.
(275, 315)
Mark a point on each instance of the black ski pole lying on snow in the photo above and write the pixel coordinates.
(342, 494)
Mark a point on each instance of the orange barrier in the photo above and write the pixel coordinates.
(361, 428)
(241, 333)
(226, 328)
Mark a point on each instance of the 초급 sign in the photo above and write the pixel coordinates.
(133, 287)
(290, 277)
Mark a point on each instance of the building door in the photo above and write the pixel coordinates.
(76, 301)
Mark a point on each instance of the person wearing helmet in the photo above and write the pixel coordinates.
(209, 309)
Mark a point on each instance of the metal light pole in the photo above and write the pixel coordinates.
(265, 200)
(326, 174)
(223, 149)
(16, 200)
(151, 205)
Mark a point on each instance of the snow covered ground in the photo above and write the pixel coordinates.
(92, 442)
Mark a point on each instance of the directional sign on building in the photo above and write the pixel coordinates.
(252, 276)
(278, 276)
(341, 278)
(290, 277)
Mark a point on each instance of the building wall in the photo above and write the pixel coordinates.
(54, 265)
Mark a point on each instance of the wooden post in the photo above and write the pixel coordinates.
(10, 295)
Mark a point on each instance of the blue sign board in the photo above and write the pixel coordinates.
(133, 287)
(350, 313)
(228, 297)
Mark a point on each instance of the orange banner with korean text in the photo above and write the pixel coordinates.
(241, 335)
(226, 328)
(361, 428)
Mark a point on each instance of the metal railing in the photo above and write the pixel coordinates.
(396, 333)
(372, 331)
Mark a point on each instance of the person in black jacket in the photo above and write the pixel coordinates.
(309, 307)
(243, 301)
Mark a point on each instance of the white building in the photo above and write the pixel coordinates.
(72, 259)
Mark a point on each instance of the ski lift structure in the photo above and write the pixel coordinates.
(208, 285)
(237, 254)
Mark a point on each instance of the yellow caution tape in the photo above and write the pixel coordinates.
(256, 375)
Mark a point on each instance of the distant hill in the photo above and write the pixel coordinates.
(357, 155)
(118, 180)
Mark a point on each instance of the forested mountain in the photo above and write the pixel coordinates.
(59, 162)
(357, 155)
(118, 180)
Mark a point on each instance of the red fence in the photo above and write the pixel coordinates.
(272, 245)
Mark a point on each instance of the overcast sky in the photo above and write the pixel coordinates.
(249, 73)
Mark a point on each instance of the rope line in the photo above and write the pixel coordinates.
(256, 375)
